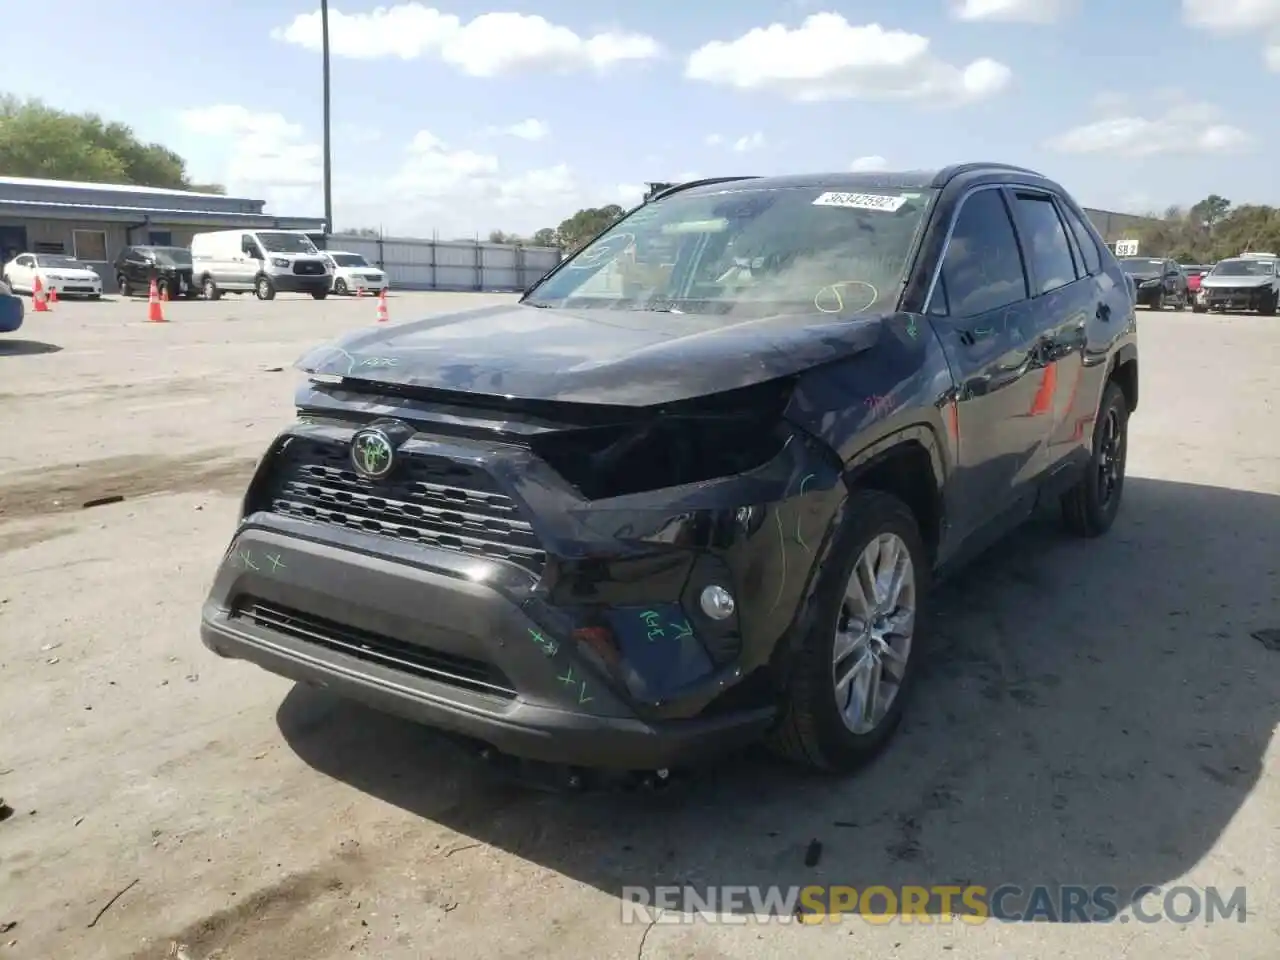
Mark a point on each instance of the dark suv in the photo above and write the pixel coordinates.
(169, 267)
(696, 486)
(1158, 282)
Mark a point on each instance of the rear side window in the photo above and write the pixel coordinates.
(1047, 243)
(1084, 240)
(983, 267)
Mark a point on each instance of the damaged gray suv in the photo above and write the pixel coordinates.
(695, 487)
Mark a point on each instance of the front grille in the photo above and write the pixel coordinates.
(411, 658)
(308, 268)
(427, 499)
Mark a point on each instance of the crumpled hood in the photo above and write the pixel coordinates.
(631, 358)
(1234, 282)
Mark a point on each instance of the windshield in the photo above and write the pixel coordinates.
(1244, 268)
(178, 256)
(65, 263)
(1141, 265)
(348, 260)
(286, 243)
(744, 250)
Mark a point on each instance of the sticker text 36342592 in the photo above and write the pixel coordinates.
(861, 201)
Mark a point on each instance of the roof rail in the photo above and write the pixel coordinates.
(706, 181)
(946, 173)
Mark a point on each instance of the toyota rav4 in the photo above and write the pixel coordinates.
(695, 487)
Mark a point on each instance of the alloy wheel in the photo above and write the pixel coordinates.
(874, 633)
(1110, 457)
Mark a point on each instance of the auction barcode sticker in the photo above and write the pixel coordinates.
(861, 201)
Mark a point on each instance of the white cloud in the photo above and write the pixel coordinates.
(749, 143)
(530, 129)
(492, 44)
(1183, 128)
(1239, 17)
(869, 164)
(267, 150)
(714, 140)
(1012, 11)
(630, 194)
(827, 58)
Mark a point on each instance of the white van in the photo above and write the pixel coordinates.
(264, 261)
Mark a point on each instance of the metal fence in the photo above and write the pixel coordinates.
(414, 264)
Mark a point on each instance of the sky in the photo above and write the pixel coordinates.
(513, 114)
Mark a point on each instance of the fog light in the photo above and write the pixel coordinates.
(717, 602)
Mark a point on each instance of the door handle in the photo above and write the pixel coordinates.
(1103, 312)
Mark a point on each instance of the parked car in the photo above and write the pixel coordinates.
(641, 517)
(352, 272)
(169, 267)
(11, 309)
(1157, 281)
(1193, 272)
(262, 261)
(65, 275)
(1246, 282)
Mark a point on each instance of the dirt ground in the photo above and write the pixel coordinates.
(1095, 713)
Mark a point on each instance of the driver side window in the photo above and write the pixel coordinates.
(982, 269)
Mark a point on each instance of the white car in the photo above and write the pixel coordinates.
(351, 271)
(67, 275)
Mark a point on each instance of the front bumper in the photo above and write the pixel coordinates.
(600, 661)
(292, 283)
(1237, 299)
(74, 288)
(481, 651)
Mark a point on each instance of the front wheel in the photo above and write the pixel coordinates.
(340, 287)
(1199, 308)
(126, 289)
(1157, 301)
(210, 289)
(264, 289)
(319, 294)
(1090, 507)
(852, 665)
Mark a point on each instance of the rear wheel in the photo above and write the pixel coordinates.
(1090, 507)
(264, 288)
(210, 289)
(1199, 308)
(320, 294)
(852, 669)
(126, 289)
(1268, 306)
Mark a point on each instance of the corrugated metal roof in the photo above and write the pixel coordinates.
(111, 188)
(90, 211)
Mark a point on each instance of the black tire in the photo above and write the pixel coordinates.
(95, 296)
(126, 289)
(263, 288)
(1199, 308)
(210, 289)
(320, 294)
(1157, 301)
(1180, 303)
(162, 289)
(1268, 308)
(340, 287)
(1090, 507)
(811, 730)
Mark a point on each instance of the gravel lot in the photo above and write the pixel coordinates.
(1095, 713)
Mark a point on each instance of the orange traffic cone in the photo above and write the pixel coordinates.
(155, 313)
(382, 306)
(360, 291)
(39, 302)
(53, 296)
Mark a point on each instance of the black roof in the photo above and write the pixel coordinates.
(852, 182)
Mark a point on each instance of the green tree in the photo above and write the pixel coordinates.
(546, 237)
(1210, 230)
(38, 141)
(501, 236)
(585, 224)
(370, 232)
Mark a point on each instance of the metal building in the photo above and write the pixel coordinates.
(93, 221)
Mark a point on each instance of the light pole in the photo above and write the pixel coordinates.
(328, 159)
